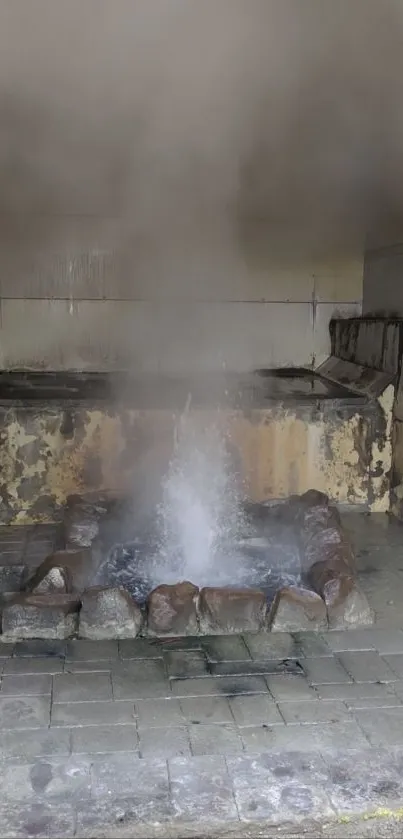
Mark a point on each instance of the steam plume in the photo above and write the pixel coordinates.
(205, 127)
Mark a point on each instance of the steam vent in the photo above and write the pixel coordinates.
(293, 566)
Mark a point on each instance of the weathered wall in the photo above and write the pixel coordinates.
(78, 306)
(279, 450)
(118, 136)
(383, 281)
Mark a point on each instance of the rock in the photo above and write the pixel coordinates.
(171, 610)
(332, 579)
(346, 604)
(224, 611)
(55, 579)
(297, 609)
(40, 616)
(351, 612)
(68, 571)
(108, 613)
(81, 531)
(320, 532)
(82, 517)
(313, 498)
(326, 544)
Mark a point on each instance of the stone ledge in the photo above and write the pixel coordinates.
(108, 613)
(172, 610)
(67, 571)
(297, 610)
(226, 611)
(40, 616)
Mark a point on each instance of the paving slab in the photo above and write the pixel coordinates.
(225, 648)
(102, 666)
(308, 737)
(255, 709)
(34, 743)
(115, 815)
(140, 648)
(159, 713)
(326, 671)
(202, 790)
(164, 742)
(391, 701)
(99, 739)
(221, 686)
(395, 662)
(350, 691)
(367, 666)
(288, 688)
(215, 740)
(267, 646)
(397, 688)
(363, 781)
(251, 668)
(20, 666)
(208, 709)
(384, 641)
(186, 664)
(79, 687)
(29, 685)
(92, 713)
(91, 650)
(39, 648)
(6, 650)
(382, 726)
(37, 819)
(141, 680)
(54, 779)
(312, 645)
(17, 712)
(274, 788)
(125, 775)
(314, 712)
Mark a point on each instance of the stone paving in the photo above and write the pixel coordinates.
(206, 734)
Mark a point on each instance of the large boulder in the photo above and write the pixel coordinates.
(346, 604)
(171, 610)
(68, 571)
(332, 579)
(108, 613)
(81, 527)
(320, 532)
(82, 517)
(223, 611)
(40, 616)
(297, 609)
(351, 612)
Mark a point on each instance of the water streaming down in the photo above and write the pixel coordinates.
(204, 531)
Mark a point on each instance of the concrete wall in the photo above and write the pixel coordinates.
(383, 281)
(79, 305)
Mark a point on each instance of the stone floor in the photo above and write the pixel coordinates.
(204, 737)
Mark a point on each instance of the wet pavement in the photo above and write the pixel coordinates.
(204, 736)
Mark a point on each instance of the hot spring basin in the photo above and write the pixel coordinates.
(293, 571)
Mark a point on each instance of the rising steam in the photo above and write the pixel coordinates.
(204, 126)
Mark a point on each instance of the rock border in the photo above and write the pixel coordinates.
(57, 601)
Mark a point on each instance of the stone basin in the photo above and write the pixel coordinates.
(292, 570)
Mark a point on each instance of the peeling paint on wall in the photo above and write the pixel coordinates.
(381, 454)
(279, 451)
